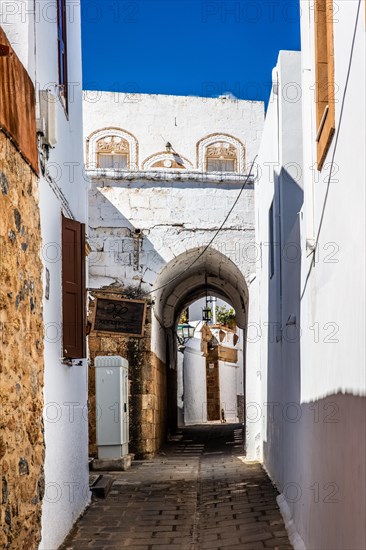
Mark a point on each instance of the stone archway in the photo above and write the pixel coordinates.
(183, 280)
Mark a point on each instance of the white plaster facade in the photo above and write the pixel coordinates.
(152, 227)
(148, 226)
(192, 378)
(32, 30)
(193, 384)
(308, 405)
(187, 123)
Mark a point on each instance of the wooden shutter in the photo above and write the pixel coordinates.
(73, 289)
(324, 69)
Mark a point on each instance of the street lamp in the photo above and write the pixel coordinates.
(184, 333)
(206, 314)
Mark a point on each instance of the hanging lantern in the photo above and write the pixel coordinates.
(206, 314)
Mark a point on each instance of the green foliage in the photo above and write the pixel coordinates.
(225, 316)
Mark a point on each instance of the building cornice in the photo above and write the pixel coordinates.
(168, 176)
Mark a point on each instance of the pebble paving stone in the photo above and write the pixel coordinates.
(196, 494)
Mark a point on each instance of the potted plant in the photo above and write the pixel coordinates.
(226, 317)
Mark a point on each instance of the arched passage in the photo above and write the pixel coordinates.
(183, 280)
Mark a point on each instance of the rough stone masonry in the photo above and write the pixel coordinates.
(21, 354)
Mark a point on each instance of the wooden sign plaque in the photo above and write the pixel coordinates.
(120, 316)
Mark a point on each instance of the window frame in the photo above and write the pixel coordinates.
(218, 160)
(223, 158)
(62, 52)
(113, 155)
(324, 78)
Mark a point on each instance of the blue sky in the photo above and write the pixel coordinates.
(186, 47)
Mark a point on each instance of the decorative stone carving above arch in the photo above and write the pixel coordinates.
(221, 147)
(166, 161)
(112, 141)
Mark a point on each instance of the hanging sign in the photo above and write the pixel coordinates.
(120, 316)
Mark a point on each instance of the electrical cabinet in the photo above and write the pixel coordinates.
(111, 388)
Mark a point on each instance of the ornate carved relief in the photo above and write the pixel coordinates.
(221, 146)
(221, 150)
(112, 140)
(167, 161)
(112, 145)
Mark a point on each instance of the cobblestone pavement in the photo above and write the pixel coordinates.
(196, 494)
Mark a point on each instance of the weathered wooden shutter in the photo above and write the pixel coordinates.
(73, 288)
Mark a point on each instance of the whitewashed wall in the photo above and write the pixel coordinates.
(170, 217)
(172, 212)
(66, 459)
(141, 221)
(254, 372)
(333, 377)
(192, 379)
(17, 19)
(194, 383)
(155, 120)
(228, 375)
(63, 190)
(311, 328)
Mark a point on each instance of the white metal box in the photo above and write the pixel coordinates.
(47, 121)
(111, 385)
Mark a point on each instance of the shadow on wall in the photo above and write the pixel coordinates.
(284, 283)
(118, 264)
(120, 252)
(315, 451)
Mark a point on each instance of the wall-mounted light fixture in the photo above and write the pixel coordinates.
(185, 332)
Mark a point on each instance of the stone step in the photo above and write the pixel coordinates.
(101, 487)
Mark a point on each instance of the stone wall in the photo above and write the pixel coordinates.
(147, 387)
(147, 225)
(21, 361)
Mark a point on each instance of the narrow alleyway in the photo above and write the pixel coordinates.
(196, 494)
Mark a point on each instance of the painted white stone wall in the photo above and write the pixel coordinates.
(251, 387)
(17, 19)
(141, 220)
(183, 121)
(312, 355)
(194, 383)
(333, 378)
(63, 189)
(192, 379)
(136, 228)
(66, 426)
(228, 375)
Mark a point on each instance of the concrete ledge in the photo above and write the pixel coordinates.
(167, 176)
(112, 465)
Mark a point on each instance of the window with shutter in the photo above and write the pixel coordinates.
(73, 289)
(324, 74)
